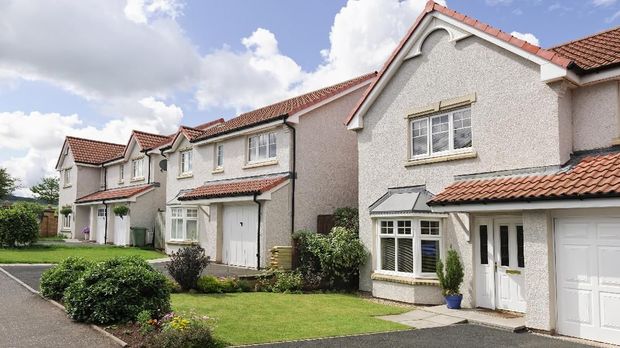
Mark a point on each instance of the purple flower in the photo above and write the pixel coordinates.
(86, 229)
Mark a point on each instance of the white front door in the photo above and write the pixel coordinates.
(101, 217)
(587, 255)
(121, 232)
(239, 235)
(500, 264)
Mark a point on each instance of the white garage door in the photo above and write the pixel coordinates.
(588, 278)
(239, 235)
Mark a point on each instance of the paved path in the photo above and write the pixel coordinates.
(26, 320)
(462, 336)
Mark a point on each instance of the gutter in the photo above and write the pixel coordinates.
(293, 174)
(258, 233)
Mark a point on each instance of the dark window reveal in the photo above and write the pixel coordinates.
(520, 256)
(484, 245)
(430, 255)
(503, 240)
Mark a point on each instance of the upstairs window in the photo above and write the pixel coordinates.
(186, 162)
(121, 173)
(262, 147)
(219, 156)
(440, 134)
(137, 169)
(66, 177)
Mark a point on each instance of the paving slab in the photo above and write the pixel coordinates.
(27, 320)
(505, 321)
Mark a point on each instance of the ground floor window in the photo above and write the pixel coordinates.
(409, 246)
(66, 221)
(184, 223)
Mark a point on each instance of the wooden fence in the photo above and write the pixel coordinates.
(48, 226)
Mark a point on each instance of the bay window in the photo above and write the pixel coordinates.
(262, 147)
(184, 224)
(441, 134)
(409, 247)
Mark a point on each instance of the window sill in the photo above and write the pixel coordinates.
(66, 186)
(260, 164)
(185, 176)
(441, 158)
(121, 182)
(183, 242)
(137, 179)
(404, 280)
(217, 171)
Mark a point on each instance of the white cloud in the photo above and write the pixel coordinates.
(603, 3)
(529, 37)
(498, 2)
(40, 135)
(92, 49)
(139, 10)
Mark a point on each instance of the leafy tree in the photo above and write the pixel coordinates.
(47, 190)
(8, 184)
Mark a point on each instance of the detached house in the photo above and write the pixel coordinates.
(508, 153)
(244, 185)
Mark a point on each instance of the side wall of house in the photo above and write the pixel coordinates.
(326, 162)
(596, 112)
(276, 224)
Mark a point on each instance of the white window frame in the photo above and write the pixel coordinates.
(219, 156)
(184, 217)
(121, 173)
(186, 159)
(268, 137)
(429, 135)
(66, 177)
(137, 169)
(66, 222)
(417, 245)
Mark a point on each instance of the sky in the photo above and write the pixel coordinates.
(99, 69)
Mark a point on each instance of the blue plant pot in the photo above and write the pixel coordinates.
(454, 301)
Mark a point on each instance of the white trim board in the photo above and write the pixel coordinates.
(537, 205)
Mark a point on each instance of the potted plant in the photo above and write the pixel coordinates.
(121, 210)
(86, 232)
(66, 210)
(451, 278)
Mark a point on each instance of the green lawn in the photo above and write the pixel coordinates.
(56, 253)
(245, 318)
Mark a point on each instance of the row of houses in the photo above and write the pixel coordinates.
(468, 138)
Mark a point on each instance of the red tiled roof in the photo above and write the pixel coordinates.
(431, 6)
(148, 141)
(593, 176)
(229, 188)
(283, 108)
(209, 124)
(593, 52)
(115, 193)
(92, 151)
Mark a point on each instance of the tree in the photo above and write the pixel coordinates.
(47, 190)
(8, 184)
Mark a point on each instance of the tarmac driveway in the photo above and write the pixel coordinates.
(27, 320)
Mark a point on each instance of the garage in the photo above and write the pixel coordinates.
(239, 235)
(588, 278)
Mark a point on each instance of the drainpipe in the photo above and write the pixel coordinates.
(105, 231)
(293, 174)
(258, 233)
(148, 179)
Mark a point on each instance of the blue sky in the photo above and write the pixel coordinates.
(99, 68)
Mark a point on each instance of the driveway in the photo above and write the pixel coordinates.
(29, 321)
(462, 335)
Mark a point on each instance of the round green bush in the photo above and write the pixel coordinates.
(18, 226)
(287, 282)
(57, 279)
(209, 285)
(197, 335)
(117, 290)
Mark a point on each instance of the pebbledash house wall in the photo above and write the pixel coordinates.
(517, 122)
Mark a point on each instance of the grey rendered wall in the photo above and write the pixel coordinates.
(326, 162)
(276, 222)
(514, 120)
(595, 115)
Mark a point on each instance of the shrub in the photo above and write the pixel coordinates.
(120, 210)
(287, 282)
(186, 265)
(228, 285)
(244, 285)
(18, 226)
(347, 218)
(145, 321)
(35, 208)
(451, 278)
(196, 334)
(57, 279)
(342, 256)
(309, 246)
(173, 286)
(209, 285)
(66, 210)
(117, 290)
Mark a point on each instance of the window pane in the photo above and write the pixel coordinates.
(176, 212)
(189, 161)
(220, 155)
(177, 229)
(253, 147)
(440, 133)
(262, 147)
(405, 255)
(272, 145)
(404, 227)
(387, 254)
(191, 229)
(430, 255)
(462, 129)
(484, 245)
(192, 213)
(520, 255)
(429, 227)
(387, 227)
(419, 133)
(503, 240)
